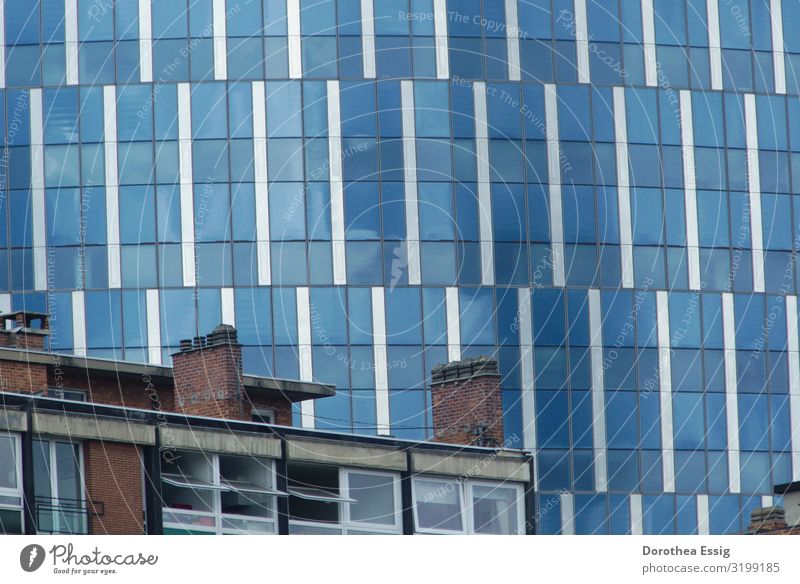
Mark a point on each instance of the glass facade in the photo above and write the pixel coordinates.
(598, 194)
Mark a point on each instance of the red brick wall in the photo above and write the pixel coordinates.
(459, 406)
(21, 340)
(207, 382)
(113, 474)
(22, 377)
(129, 391)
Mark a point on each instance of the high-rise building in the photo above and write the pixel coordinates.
(597, 194)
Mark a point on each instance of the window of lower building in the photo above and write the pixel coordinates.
(215, 493)
(328, 500)
(58, 487)
(263, 416)
(10, 484)
(450, 506)
(70, 394)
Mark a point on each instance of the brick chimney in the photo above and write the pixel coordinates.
(767, 519)
(467, 403)
(208, 376)
(24, 330)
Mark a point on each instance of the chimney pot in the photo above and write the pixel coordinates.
(767, 519)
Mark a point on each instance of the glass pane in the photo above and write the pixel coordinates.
(8, 462)
(375, 498)
(190, 465)
(301, 529)
(189, 520)
(242, 472)
(247, 526)
(438, 505)
(68, 483)
(10, 521)
(494, 510)
(41, 481)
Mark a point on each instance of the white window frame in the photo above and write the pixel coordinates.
(362, 527)
(520, 500)
(16, 492)
(464, 488)
(216, 514)
(54, 494)
(345, 525)
(263, 413)
(61, 390)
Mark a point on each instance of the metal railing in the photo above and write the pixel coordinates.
(64, 516)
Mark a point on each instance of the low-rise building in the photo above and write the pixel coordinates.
(99, 446)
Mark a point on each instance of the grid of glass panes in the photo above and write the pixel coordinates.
(450, 506)
(215, 493)
(331, 48)
(327, 500)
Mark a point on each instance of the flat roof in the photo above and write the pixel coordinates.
(10, 400)
(254, 385)
(786, 488)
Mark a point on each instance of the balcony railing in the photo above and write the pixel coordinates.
(65, 516)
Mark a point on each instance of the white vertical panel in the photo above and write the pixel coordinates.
(715, 49)
(526, 367)
(220, 40)
(636, 513)
(690, 189)
(665, 391)
(703, 525)
(623, 188)
(71, 40)
(582, 41)
(598, 392)
(261, 174)
(153, 309)
(793, 347)
(731, 400)
(337, 190)
(554, 184)
(754, 187)
(440, 32)
(5, 302)
(512, 40)
(2, 43)
(228, 303)
(37, 191)
(778, 55)
(567, 514)
(112, 185)
(767, 500)
(368, 38)
(528, 397)
(307, 410)
(410, 182)
(293, 30)
(145, 41)
(78, 323)
(187, 182)
(453, 311)
(484, 184)
(381, 362)
(649, 40)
